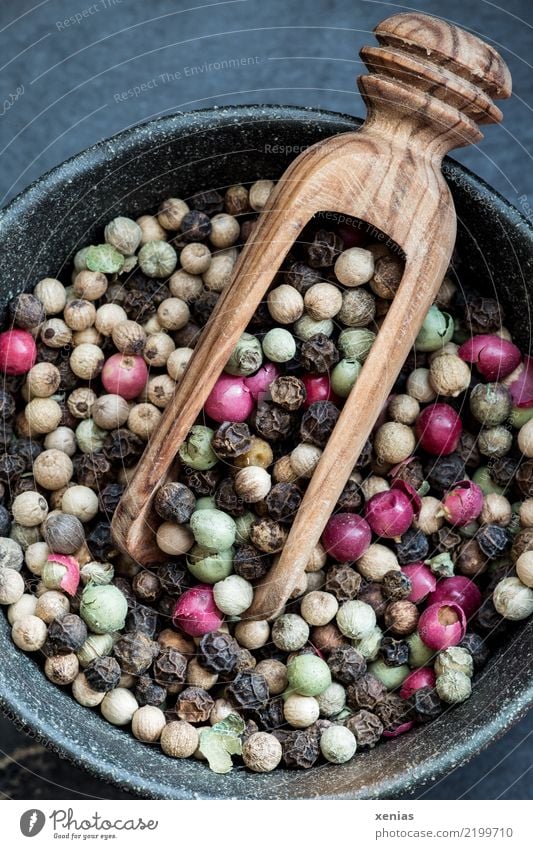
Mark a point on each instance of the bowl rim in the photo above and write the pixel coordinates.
(25, 713)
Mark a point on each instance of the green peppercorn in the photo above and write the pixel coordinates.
(454, 658)
(391, 676)
(246, 356)
(207, 502)
(308, 675)
(213, 529)
(279, 345)
(483, 479)
(209, 566)
(419, 653)
(355, 343)
(344, 376)
(356, 619)
(436, 331)
(338, 744)
(104, 258)
(103, 608)
(196, 451)
(494, 441)
(490, 403)
(453, 687)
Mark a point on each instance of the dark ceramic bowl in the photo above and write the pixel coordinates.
(130, 174)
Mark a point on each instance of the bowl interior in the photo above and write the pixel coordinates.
(130, 174)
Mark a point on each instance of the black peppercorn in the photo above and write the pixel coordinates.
(142, 618)
(29, 450)
(139, 305)
(318, 354)
(195, 226)
(483, 315)
(109, 497)
(250, 563)
(493, 540)
(288, 391)
(121, 445)
(271, 715)
(396, 585)
(300, 749)
(7, 405)
(271, 422)
(227, 500)
(166, 605)
(318, 422)
(68, 380)
(468, 451)
(65, 635)
(209, 202)
(26, 311)
(346, 664)
(426, 704)
(394, 652)
(5, 522)
(100, 541)
(172, 578)
(445, 539)
(411, 472)
(443, 472)
(489, 621)
(203, 306)
(174, 502)
(188, 336)
(11, 466)
(146, 586)
(414, 546)
(249, 690)
(169, 667)
(125, 588)
(231, 440)
(366, 692)
(343, 582)
(301, 276)
(523, 541)
(201, 483)
(477, 647)
(194, 704)
(324, 249)
(371, 594)
(103, 674)
(283, 502)
(393, 711)
(218, 652)
(63, 533)
(268, 536)
(135, 652)
(350, 498)
(366, 727)
(93, 470)
(503, 469)
(147, 692)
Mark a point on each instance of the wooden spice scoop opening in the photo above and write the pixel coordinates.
(429, 86)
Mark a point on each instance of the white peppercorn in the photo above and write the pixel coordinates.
(51, 605)
(89, 336)
(108, 316)
(36, 556)
(171, 213)
(11, 586)
(354, 267)
(87, 361)
(252, 634)
(306, 327)
(52, 469)
(62, 669)
(29, 633)
(52, 295)
(318, 559)
(261, 752)
(512, 599)
(403, 409)
(43, 380)
(25, 606)
(290, 632)
(419, 386)
(252, 484)
(173, 313)
(304, 459)
(496, 510)
(157, 259)
(225, 230)
(285, 304)
(90, 437)
(394, 442)
(301, 711)
(124, 234)
(179, 739)
(80, 501)
(43, 415)
(199, 676)
(90, 285)
(356, 619)
(377, 560)
(275, 674)
(178, 361)
(430, 517)
(29, 509)
(81, 401)
(259, 194)
(195, 258)
(11, 554)
(118, 706)
(449, 375)
(218, 275)
(453, 687)
(143, 420)
(110, 411)
(96, 645)
(129, 337)
(358, 308)
(158, 348)
(524, 568)
(84, 694)
(174, 539)
(233, 595)
(220, 710)
(319, 608)
(454, 658)
(338, 744)
(186, 286)
(323, 301)
(147, 723)
(525, 513)
(160, 390)
(373, 484)
(79, 314)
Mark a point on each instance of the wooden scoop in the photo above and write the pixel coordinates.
(429, 83)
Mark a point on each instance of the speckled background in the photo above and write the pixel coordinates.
(67, 84)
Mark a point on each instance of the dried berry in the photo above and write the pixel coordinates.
(227, 500)
(318, 422)
(324, 249)
(300, 749)
(121, 445)
(250, 563)
(103, 674)
(468, 451)
(249, 690)
(488, 620)
(194, 705)
(195, 226)
(201, 483)
(394, 652)
(270, 716)
(318, 354)
(283, 502)
(174, 502)
(134, 652)
(65, 635)
(218, 652)
(346, 664)
(169, 667)
(301, 276)
(93, 470)
(209, 202)
(443, 472)
(11, 466)
(203, 306)
(343, 582)
(371, 594)
(493, 540)
(445, 539)
(396, 585)
(477, 647)
(100, 541)
(413, 547)
(139, 305)
(366, 727)
(366, 692)
(268, 536)
(146, 586)
(26, 311)
(172, 578)
(502, 470)
(147, 692)
(109, 497)
(393, 711)
(231, 440)
(142, 618)
(271, 422)
(288, 392)
(7, 405)
(350, 498)
(483, 315)
(365, 457)
(426, 704)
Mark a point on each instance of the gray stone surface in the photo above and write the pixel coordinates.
(67, 84)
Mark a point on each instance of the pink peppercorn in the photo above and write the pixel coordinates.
(125, 375)
(402, 729)
(423, 581)
(460, 590)
(389, 513)
(18, 352)
(418, 678)
(258, 383)
(438, 429)
(463, 504)
(346, 537)
(318, 388)
(493, 356)
(442, 625)
(196, 612)
(520, 384)
(71, 579)
(230, 400)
